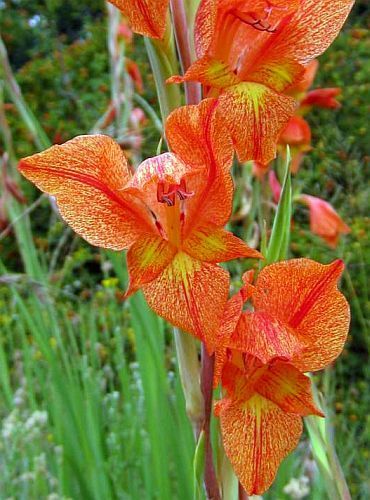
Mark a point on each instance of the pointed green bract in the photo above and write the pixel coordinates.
(280, 234)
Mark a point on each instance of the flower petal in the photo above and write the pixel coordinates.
(265, 337)
(146, 259)
(162, 168)
(324, 220)
(209, 72)
(323, 98)
(300, 88)
(198, 136)
(217, 245)
(229, 321)
(310, 306)
(255, 116)
(273, 70)
(288, 388)
(87, 176)
(312, 29)
(191, 295)
(147, 17)
(296, 133)
(257, 436)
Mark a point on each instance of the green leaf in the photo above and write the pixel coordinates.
(198, 466)
(280, 234)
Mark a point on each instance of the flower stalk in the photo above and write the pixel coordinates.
(189, 368)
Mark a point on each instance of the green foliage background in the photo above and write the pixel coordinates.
(108, 369)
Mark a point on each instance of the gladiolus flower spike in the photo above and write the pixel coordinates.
(251, 53)
(169, 215)
(299, 323)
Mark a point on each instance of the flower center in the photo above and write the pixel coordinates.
(260, 21)
(174, 196)
(167, 194)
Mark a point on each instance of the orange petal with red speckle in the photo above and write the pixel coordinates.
(255, 115)
(257, 436)
(166, 168)
(87, 176)
(288, 388)
(302, 295)
(191, 295)
(214, 245)
(146, 259)
(312, 29)
(264, 337)
(147, 17)
(209, 72)
(198, 136)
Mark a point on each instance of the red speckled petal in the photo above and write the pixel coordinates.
(273, 70)
(146, 259)
(209, 72)
(312, 29)
(255, 116)
(309, 305)
(87, 176)
(162, 168)
(147, 17)
(288, 388)
(306, 81)
(257, 436)
(264, 337)
(205, 24)
(198, 136)
(217, 245)
(191, 295)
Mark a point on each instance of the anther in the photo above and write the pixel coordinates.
(168, 196)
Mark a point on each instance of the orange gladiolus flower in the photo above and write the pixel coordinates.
(251, 53)
(147, 17)
(293, 324)
(261, 358)
(324, 220)
(170, 214)
(261, 417)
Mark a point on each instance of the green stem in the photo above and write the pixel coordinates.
(162, 60)
(320, 432)
(187, 356)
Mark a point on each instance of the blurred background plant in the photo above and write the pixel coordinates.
(91, 403)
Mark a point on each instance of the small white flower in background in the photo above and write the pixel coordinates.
(10, 425)
(19, 396)
(37, 419)
(40, 463)
(106, 266)
(297, 488)
(26, 477)
(55, 496)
